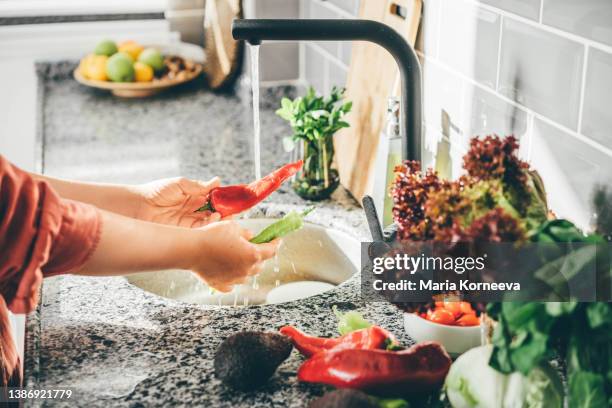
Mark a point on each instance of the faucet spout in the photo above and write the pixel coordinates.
(256, 30)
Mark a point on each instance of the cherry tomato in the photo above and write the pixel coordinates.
(468, 320)
(454, 308)
(442, 316)
(465, 307)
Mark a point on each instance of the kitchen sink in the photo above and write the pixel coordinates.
(310, 261)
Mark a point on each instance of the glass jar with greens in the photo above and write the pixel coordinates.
(314, 120)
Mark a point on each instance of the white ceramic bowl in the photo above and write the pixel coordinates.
(297, 290)
(455, 339)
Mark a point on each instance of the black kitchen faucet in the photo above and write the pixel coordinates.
(256, 30)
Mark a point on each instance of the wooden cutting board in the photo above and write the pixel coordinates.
(373, 77)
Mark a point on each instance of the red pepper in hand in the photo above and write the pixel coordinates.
(229, 200)
(374, 337)
(420, 368)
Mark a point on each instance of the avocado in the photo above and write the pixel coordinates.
(344, 398)
(247, 360)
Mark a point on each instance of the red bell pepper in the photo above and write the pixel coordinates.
(420, 368)
(229, 200)
(374, 337)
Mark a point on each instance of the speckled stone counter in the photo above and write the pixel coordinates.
(117, 345)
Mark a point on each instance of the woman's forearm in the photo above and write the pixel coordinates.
(127, 245)
(120, 199)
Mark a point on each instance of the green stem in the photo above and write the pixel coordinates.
(206, 207)
(325, 170)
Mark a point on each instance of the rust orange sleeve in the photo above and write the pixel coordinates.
(40, 235)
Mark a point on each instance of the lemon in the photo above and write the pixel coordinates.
(153, 58)
(119, 68)
(144, 73)
(106, 47)
(84, 65)
(97, 68)
(132, 48)
(93, 66)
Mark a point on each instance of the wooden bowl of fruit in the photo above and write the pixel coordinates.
(132, 70)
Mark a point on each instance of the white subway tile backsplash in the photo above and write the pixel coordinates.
(429, 154)
(588, 18)
(279, 61)
(469, 40)
(315, 68)
(442, 92)
(276, 9)
(346, 5)
(336, 75)
(427, 38)
(571, 170)
(345, 52)
(597, 110)
(525, 8)
(305, 8)
(491, 66)
(541, 71)
(486, 113)
(320, 9)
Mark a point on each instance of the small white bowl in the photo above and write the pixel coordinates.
(455, 339)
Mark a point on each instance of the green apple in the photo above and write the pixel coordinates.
(106, 47)
(153, 58)
(120, 68)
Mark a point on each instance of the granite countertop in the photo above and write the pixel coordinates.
(116, 344)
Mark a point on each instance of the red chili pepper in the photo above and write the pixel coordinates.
(229, 200)
(374, 337)
(421, 368)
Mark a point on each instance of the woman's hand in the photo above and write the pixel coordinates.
(174, 201)
(226, 257)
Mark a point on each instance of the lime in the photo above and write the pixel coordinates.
(106, 47)
(153, 58)
(119, 68)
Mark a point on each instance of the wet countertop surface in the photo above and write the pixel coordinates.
(113, 343)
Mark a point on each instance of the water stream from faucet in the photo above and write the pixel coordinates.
(254, 51)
